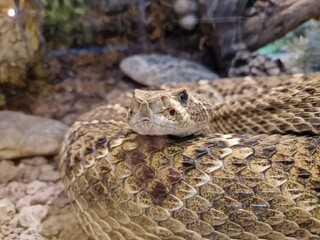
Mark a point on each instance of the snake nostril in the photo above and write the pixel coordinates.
(172, 112)
(130, 113)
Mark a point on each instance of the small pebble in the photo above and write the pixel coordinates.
(45, 194)
(7, 211)
(15, 191)
(18, 230)
(48, 174)
(28, 173)
(35, 161)
(35, 187)
(8, 171)
(6, 230)
(30, 234)
(31, 216)
(12, 236)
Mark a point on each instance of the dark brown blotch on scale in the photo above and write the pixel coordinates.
(157, 189)
(301, 175)
(219, 144)
(270, 109)
(269, 151)
(234, 164)
(183, 163)
(188, 163)
(77, 158)
(171, 176)
(282, 161)
(144, 173)
(89, 149)
(135, 158)
(312, 148)
(152, 143)
(101, 142)
(314, 184)
(72, 139)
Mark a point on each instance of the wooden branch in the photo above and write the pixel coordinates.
(277, 20)
(223, 27)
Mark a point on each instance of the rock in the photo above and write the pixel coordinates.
(24, 135)
(6, 230)
(7, 211)
(40, 193)
(15, 191)
(156, 70)
(31, 216)
(18, 230)
(48, 174)
(28, 173)
(30, 234)
(35, 161)
(8, 171)
(35, 186)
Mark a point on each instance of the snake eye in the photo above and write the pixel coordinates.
(172, 112)
(183, 97)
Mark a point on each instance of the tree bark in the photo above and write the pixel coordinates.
(231, 26)
(273, 19)
(222, 25)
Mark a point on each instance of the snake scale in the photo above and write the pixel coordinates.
(251, 172)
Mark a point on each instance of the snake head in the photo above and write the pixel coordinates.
(166, 112)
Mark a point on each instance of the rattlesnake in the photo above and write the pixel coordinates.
(253, 172)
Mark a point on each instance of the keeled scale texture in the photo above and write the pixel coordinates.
(126, 186)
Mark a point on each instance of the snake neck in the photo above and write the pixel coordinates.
(202, 114)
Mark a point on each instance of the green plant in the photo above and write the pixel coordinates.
(61, 18)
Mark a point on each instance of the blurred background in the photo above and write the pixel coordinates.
(65, 53)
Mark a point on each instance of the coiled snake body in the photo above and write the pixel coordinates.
(249, 170)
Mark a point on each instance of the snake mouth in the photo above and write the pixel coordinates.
(145, 120)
